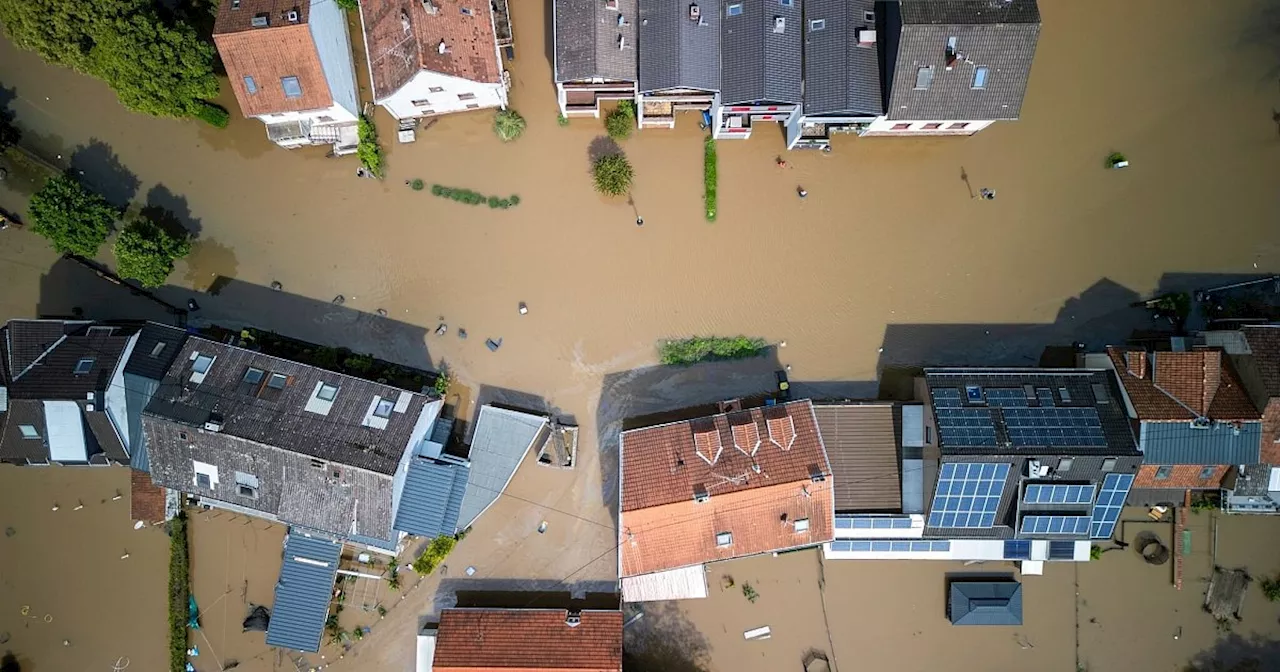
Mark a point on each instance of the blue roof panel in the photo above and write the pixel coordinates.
(985, 603)
(1219, 443)
(431, 498)
(303, 591)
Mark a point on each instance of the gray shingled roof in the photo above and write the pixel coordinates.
(303, 592)
(501, 440)
(999, 35)
(840, 75)
(157, 345)
(44, 354)
(587, 45)
(760, 64)
(985, 603)
(432, 498)
(678, 52)
(1220, 443)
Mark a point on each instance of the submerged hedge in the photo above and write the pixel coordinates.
(698, 349)
(709, 177)
(179, 593)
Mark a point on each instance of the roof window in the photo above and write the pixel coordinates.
(253, 376)
(202, 363)
(802, 525)
(383, 409)
(260, 21)
(29, 431)
(1164, 472)
(327, 392)
(734, 9)
(277, 381)
(158, 348)
(292, 87)
(250, 85)
(980, 77)
(724, 539)
(84, 366)
(1109, 464)
(924, 77)
(817, 24)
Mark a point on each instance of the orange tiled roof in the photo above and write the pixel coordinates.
(513, 640)
(759, 520)
(1181, 476)
(404, 38)
(146, 499)
(282, 49)
(1182, 385)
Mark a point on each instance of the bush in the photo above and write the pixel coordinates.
(514, 200)
(434, 555)
(368, 150)
(145, 252)
(709, 177)
(211, 113)
(74, 219)
(437, 190)
(350, 5)
(1095, 552)
(179, 593)
(562, 120)
(691, 350)
(613, 174)
(417, 184)
(621, 121)
(393, 578)
(472, 197)
(508, 124)
(495, 202)
(1271, 588)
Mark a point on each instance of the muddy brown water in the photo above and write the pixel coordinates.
(889, 259)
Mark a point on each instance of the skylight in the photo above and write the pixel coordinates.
(292, 87)
(734, 10)
(250, 85)
(383, 409)
(277, 381)
(253, 376)
(327, 392)
(817, 24)
(980, 82)
(84, 366)
(202, 363)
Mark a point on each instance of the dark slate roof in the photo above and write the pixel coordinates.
(137, 392)
(27, 340)
(985, 603)
(1219, 443)
(43, 354)
(155, 350)
(1000, 35)
(14, 448)
(303, 592)
(863, 449)
(279, 418)
(587, 40)
(101, 444)
(679, 53)
(840, 75)
(759, 63)
(431, 498)
(501, 440)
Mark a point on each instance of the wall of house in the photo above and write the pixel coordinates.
(1181, 476)
(750, 115)
(114, 402)
(402, 103)
(328, 24)
(421, 430)
(890, 127)
(330, 115)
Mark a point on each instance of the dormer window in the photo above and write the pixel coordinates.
(327, 392)
(383, 409)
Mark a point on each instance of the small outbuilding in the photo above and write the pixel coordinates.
(985, 602)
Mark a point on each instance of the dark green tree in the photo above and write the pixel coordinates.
(74, 219)
(613, 174)
(145, 251)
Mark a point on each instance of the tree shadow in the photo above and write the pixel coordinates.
(9, 663)
(210, 266)
(601, 147)
(72, 290)
(99, 167)
(1264, 32)
(1234, 653)
(171, 212)
(662, 640)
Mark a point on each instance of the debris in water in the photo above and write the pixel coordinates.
(471, 571)
(139, 525)
(382, 312)
(9, 532)
(55, 506)
(125, 556)
(275, 284)
(493, 345)
(462, 333)
(339, 300)
(524, 310)
(542, 527)
(442, 329)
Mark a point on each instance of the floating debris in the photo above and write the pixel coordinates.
(9, 532)
(542, 527)
(339, 300)
(462, 333)
(275, 284)
(524, 310)
(442, 329)
(382, 312)
(493, 345)
(471, 571)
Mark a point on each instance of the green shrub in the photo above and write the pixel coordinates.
(709, 177)
(1095, 552)
(562, 120)
(393, 578)
(145, 252)
(368, 150)
(620, 122)
(750, 593)
(74, 219)
(495, 202)
(417, 185)
(436, 552)
(508, 124)
(179, 593)
(211, 113)
(691, 350)
(515, 200)
(612, 174)
(349, 5)
(437, 190)
(1271, 588)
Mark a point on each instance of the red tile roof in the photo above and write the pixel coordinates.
(283, 49)
(146, 499)
(1182, 385)
(1180, 476)
(511, 640)
(403, 39)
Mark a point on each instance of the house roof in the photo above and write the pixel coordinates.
(590, 41)
(499, 444)
(403, 39)
(303, 592)
(68, 433)
(269, 54)
(679, 52)
(861, 442)
(842, 73)
(44, 357)
(1264, 344)
(762, 46)
(431, 498)
(1178, 442)
(484, 640)
(146, 500)
(155, 350)
(998, 35)
(719, 454)
(757, 520)
(1182, 385)
(985, 603)
(347, 431)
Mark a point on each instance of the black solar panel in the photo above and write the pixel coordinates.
(966, 427)
(1054, 427)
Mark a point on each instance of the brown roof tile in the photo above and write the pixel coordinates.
(478, 640)
(283, 49)
(760, 520)
(667, 463)
(1271, 432)
(863, 447)
(403, 38)
(1180, 476)
(146, 499)
(1264, 343)
(1183, 385)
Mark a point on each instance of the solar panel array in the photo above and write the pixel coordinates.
(1055, 524)
(1045, 395)
(1062, 550)
(1115, 489)
(946, 397)
(966, 426)
(873, 523)
(1054, 427)
(968, 494)
(1058, 494)
(1006, 397)
(1017, 549)
(916, 546)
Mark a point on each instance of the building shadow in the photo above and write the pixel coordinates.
(509, 399)
(524, 594)
(73, 290)
(170, 211)
(1234, 653)
(9, 93)
(662, 639)
(98, 167)
(549, 34)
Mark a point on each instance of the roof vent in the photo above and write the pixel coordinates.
(235, 4)
(442, 47)
(695, 12)
(292, 15)
(866, 37)
(779, 24)
(700, 493)
(213, 425)
(1201, 423)
(261, 21)
(404, 21)
(430, 7)
(573, 619)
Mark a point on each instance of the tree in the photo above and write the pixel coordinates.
(613, 174)
(145, 251)
(508, 124)
(621, 121)
(368, 150)
(74, 219)
(352, 5)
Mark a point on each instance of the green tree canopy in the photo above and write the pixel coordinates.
(74, 219)
(508, 124)
(145, 251)
(613, 174)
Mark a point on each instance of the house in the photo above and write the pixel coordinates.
(679, 60)
(955, 67)
(731, 485)
(69, 388)
(290, 65)
(1014, 464)
(432, 57)
(761, 78)
(976, 601)
(529, 640)
(842, 92)
(595, 47)
(1193, 418)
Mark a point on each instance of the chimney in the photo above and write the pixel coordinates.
(573, 619)
(1136, 363)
